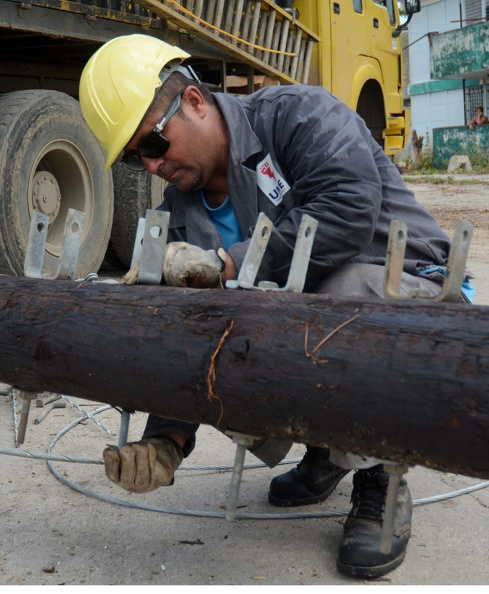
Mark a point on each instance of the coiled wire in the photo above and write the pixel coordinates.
(50, 457)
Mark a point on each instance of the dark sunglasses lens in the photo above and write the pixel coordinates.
(133, 160)
(153, 146)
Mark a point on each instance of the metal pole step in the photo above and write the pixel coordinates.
(283, 43)
(199, 5)
(238, 17)
(254, 26)
(248, 14)
(302, 53)
(230, 7)
(296, 49)
(219, 13)
(269, 35)
(307, 61)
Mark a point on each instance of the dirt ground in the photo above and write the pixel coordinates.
(451, 202)
(51, 534)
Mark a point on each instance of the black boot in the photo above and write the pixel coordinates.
(311, 481)
(360, 554)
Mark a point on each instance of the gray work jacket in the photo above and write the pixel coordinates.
(296, 150)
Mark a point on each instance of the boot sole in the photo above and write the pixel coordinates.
(305, 500)
(370, 573)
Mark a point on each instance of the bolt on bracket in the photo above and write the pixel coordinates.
(256, 250)
(35, 250)
(396, 249)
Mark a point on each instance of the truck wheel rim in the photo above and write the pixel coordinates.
(60, 179)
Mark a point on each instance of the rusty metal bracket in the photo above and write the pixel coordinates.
(457, 258)
(35, 250)
(256, 250)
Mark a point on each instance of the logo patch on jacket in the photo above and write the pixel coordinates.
(270, 182)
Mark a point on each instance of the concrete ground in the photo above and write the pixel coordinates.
(52, 534)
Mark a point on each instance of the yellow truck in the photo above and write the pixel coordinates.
(49, 161)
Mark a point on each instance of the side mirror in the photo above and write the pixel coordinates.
(412, 6)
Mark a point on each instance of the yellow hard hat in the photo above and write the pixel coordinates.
(118, 85)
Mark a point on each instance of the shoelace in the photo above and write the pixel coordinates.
(369, 495)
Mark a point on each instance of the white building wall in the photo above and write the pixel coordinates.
(436, 16)
(434, 109)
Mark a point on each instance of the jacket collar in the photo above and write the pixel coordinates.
(244, 144)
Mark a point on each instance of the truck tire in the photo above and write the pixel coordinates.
(50, 161)
(134, 192)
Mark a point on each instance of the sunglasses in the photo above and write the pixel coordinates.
(154, 144)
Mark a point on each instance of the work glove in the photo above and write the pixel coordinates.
(131, 276)
(188, 265)
(143, 466)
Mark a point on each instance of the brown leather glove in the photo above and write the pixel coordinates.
(188, 265)
(131, 276)
(143, 466)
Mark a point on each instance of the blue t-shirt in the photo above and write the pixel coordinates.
(225, 221)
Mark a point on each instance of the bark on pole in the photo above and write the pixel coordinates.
(404, 381)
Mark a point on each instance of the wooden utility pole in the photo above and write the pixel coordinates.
(405, 381)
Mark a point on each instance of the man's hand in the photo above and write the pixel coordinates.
(188, 265)
(143, 466)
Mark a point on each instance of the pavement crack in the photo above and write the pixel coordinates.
(485, 505)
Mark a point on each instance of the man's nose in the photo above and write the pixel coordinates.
(152, 165)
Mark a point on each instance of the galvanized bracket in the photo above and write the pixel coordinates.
(150, 246)
(148, 256)
(124, 427)
(395, 472)
(33, 268)
(457, 258)
(256, 250)
(68, 261)
(394, 266)
(246, 280)
(242, 442)
(20, 421)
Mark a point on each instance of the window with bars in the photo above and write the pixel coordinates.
(473, 97)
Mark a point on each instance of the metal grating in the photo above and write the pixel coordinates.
(474, 11)
(473, 97)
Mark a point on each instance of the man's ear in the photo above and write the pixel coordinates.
(194, 98)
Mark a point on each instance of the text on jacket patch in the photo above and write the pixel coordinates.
(270, 182)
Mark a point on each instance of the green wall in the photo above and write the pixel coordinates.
(435, 86)
(458, 140)
(459, 52)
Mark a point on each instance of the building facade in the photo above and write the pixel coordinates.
(449, 74)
